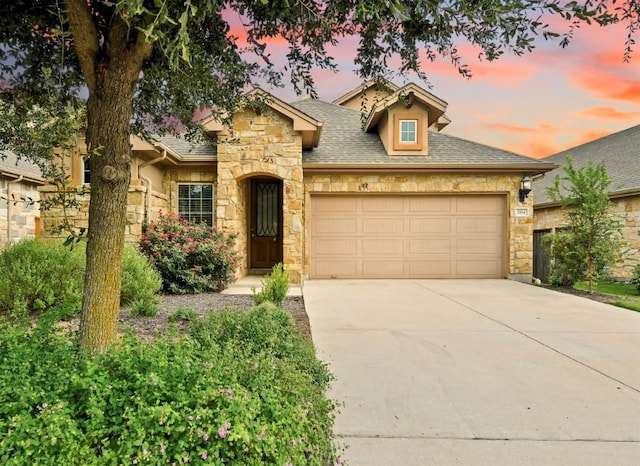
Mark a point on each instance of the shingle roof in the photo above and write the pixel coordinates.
(344, 142)
(10, 162)
(619, 151)
(186, 148)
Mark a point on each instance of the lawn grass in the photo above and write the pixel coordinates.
(622, 294)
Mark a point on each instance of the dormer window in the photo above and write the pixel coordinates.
(408, 131)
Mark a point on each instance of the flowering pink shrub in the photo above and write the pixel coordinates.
(190, 257)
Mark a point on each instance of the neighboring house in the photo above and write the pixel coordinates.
(333, 195)
(620, 153)
(19, 199)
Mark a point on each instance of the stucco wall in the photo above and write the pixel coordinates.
(628, 207)
(519, 229)
(23, 215)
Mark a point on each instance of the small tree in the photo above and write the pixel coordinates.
(593, 240)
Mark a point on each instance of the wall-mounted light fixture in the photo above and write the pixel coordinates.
(525, 188)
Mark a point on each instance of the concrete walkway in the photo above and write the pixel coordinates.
(245, 286)
(482, 372)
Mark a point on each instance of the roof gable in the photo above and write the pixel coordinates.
(309, 127)
(407, 95)
(376, 88)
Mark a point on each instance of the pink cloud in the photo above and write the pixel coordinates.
(539, 146)
(608, 113)
(605, 85)
(589, 136)
(516, 129)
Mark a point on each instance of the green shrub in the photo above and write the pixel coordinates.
(635, 278)
(147, 306)
(567, 266)
(171, 400)
(140, 281)
(36, 275)
(190, 257)
(274, 287)
(182, 314)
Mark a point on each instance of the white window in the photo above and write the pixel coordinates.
(408, 131)
(195, 202)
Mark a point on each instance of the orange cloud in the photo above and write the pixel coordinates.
(611, 58)
(515, 129)
(607, 85)
(590, 135)
(503, 72)
(537, 147)
(608, 113)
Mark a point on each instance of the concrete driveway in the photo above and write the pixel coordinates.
(480, 372)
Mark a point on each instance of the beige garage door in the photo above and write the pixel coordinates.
(415, 236)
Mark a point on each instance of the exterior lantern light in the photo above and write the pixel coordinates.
(525, 188)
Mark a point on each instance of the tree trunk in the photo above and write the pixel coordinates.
(109, 110)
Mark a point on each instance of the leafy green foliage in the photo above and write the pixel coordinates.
(182, 314)
(567, 264)
(594, 239)
(635, 278)
(37, 275)
(171, 400)
(190, 257)
(140, 281)
(275, 287)
(147, 307)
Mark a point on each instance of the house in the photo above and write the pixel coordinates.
(620, 153)
(337, 193)
(19, 198)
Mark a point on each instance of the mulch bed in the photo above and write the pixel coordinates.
(202, 304)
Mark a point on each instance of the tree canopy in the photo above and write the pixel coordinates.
(146, 65)
(191, 57)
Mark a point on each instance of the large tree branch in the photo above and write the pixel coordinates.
(120, 45)
(85, 38)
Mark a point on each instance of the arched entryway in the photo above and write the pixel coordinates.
(265, 223)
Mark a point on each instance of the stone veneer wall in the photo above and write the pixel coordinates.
(80, 216)
(629, 207)
(519, 229)
(192, 175)
(262, 145)
(23, 213)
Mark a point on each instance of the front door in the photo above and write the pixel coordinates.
(265, 242)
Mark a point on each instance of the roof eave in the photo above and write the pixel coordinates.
(25, 176)
(613, 195)
(524, 168)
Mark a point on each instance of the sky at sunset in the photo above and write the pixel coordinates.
(534, 105)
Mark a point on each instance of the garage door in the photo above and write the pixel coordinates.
(416, 236)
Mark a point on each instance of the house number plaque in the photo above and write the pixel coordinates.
(522, 212)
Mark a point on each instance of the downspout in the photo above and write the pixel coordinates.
(9, 183)
(147, 181)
